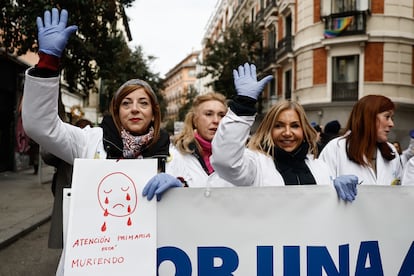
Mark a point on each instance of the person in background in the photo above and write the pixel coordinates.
(330, 131)
(22, 140)
(408, 153)
(397, 146)
(34, 155)
(318, 130)
(62, 178)
(364, 150)
(318, 135)
(281, 152)
(408, 173)
(190, 150)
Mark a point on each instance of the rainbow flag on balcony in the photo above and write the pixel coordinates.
(340, 24)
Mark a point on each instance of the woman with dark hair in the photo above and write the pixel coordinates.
(132, 130)
(364, 150)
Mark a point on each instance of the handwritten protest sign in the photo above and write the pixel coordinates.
(111, 227)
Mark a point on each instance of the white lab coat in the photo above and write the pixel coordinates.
(42, 123)
(244, 167)
(388, 172)
(408, 152)
(188, 167)
(408, 173)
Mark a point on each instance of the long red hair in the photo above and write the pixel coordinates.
(362, 140)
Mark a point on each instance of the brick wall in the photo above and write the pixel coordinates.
(374, 61)
(377, 6)
(319, 66)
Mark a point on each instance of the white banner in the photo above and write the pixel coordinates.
(266, 231)
(295, 230)
(111, 228)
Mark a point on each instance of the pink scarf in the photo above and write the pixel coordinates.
(206, 147)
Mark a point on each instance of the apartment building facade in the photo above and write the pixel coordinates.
(327, 54)
(177, 84)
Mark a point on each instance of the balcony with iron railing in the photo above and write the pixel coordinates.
(285, 46)
(271, 8)
(267, 57)
(259, 22)
(345, 23)
(236, 12)
(345, 91)
(260, 15)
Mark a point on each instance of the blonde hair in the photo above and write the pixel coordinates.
(183, 140)
(262, 139)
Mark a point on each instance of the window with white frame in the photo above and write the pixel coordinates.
(345, 71)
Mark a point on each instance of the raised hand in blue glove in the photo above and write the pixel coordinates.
(53, 33)
(346, 186)
(245, 81)
(158, 184)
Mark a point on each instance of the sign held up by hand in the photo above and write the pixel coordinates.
(111, 227)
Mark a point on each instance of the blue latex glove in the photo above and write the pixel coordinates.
(52, 32)
(346, 186)
(158, 184)
(412, 133)
(245, 81)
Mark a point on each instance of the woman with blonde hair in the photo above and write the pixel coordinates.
(262, 140)
(200, 125)
(291, 143)
(191, 149)
(282, 151)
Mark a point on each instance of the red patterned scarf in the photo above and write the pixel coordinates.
(133, 145)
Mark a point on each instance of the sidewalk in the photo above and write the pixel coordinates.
(25, 202)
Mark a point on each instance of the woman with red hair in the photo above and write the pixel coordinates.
(364, 150)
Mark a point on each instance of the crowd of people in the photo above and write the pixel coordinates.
(214, 148)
